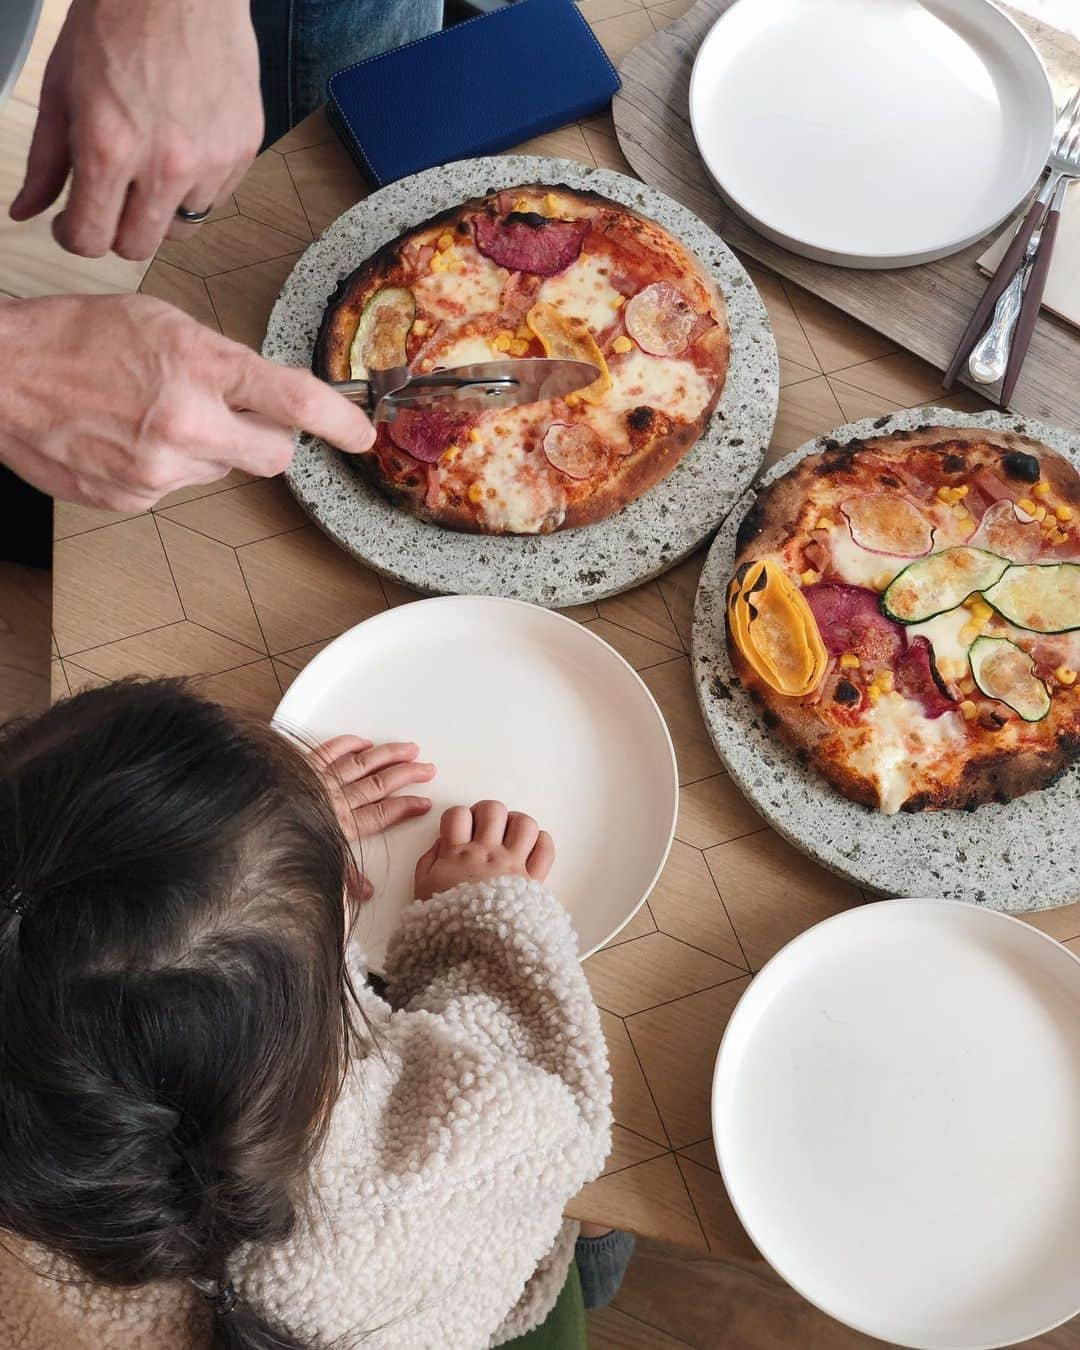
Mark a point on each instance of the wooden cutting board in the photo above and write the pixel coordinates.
(925, 308)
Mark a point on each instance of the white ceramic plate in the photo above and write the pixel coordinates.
(896, 1108)
(18, 20)
(871, 133)
(514, 702)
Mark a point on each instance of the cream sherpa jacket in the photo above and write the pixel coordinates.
(434, 1214)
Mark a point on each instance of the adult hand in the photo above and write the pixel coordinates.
(149, 105)
(115, 401)
(481, 844)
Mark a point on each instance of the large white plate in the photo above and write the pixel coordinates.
(514, 702)
(896, 1108)
(872, 133)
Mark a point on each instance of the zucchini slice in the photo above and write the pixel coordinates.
(1042, 598)
(939, 583)
(1004, 671)
(379, 342)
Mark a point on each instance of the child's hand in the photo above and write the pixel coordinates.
(481, 844)
(362, 777)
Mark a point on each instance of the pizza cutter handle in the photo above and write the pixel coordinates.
(1006, 269)
(356, 391)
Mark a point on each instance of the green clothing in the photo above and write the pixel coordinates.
(564, 1326)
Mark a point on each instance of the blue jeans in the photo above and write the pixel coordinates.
(602, 1263)
(303, 42)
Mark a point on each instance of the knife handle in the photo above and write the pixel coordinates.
(1029, 311)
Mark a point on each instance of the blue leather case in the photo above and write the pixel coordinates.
(473, 89)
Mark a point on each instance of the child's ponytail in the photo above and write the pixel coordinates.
(174, 1005)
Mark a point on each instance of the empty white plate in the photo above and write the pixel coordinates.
(514, 702)
(872, 133)
(896, 1108)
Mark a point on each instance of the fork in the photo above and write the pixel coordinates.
(1064, 166)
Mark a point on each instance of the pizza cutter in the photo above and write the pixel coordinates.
(489, 384)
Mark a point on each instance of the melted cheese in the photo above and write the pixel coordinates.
(450, 295)
(526, 493)
(661, 382)
(583, 292)
(857, 565)
(463, 351)
(900, 740)
(943, 634)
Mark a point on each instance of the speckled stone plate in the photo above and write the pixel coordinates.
(1021, 856)
(571, 566)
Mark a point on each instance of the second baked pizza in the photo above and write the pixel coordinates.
(530, 271)
(906, 612)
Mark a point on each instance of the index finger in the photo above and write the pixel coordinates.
(295, 398)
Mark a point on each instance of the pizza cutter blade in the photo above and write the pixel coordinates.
(489, 384)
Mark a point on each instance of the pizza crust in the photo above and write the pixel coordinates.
(650, 452)
(997, 765)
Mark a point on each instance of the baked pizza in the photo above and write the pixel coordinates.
(906, 611)
(534, 271)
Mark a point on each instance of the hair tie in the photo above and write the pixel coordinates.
(15, 900)
(221, 1297)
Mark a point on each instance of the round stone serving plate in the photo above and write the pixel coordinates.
(570, 566)
(1024, 855)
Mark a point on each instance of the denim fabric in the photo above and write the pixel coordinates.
(601, 1263)
(303, 42)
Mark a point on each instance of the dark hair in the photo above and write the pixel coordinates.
(175, 1011)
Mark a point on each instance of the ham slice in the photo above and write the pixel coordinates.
(428, 432)
(1009, 533)
(524, 241)
(849, 619)
(917, 678)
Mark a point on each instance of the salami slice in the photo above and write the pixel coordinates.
(427, 433)
(660, 319)
(917, 678)
(850, 620)
(524, 241)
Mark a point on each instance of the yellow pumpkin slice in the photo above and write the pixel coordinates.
(566, 339)
(775, 630)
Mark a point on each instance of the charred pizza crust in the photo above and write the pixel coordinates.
(993, 763)
(644, 442)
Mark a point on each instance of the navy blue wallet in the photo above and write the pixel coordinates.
(473, 89)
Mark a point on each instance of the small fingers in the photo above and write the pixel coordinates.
(521, 833)
(490, 822)
(542, 857)
(368, 761)
(385, 782)
(457, 825)
(337, 748)
(391, 811)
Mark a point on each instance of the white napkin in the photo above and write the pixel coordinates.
(1062, 294)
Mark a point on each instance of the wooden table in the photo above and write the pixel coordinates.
(231, 585)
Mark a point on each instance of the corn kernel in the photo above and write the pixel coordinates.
(1064, 675)
(475, 493)
(951, 670)
(873, 693)
(849, 661)
(809, 577)
(550, 204)
(961, 491)
(420, 327)
(1026, 504)
(981, 611)
(1041, 489)
(619, 301)
(823, 523)
(451, 453)
(963, 515)
(571, 400)
(505, 333)
(884, 681)
(970, 632)
(524, 332)
(502, 343)
(968, 709)
(1063, 512)
(438, 262)
(1039, 513)
(969, 601)
(444, 242)
(945, 493)
(1056, 537)
(622, 344)
(518, 347)
(522, 204)
(474, 436)
(966, 686)
(882, 580)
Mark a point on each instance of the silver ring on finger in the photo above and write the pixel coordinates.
(190, 217)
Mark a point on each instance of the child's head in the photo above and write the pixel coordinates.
(174, 1007)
